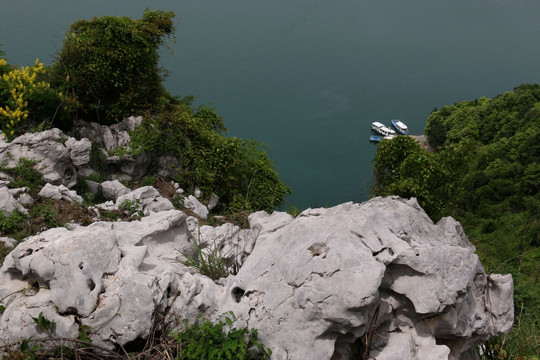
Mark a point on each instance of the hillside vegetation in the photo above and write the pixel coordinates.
(485, 172)
(107, 69)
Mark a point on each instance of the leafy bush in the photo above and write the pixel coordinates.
(28, 100)
(210, 341)
(131, 207)
(11, 223)
(109, 65)
(24, 174)
(238, 170)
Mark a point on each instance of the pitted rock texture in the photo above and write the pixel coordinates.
(315, 286)
(57, 155)
(112, 277)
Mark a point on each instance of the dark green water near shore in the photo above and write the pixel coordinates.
(307, 77)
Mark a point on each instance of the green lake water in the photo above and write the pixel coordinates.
(307, 77)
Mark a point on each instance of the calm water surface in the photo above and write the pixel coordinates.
(307, 77)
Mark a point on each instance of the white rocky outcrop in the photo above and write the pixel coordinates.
(113, 189)
(193, 204)
(8, 203)
(315, 286)
(62, 158)
(60, 192)
(146, 199)
(57, 155)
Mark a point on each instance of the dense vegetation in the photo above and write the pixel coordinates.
(109, 65)
(108, 69)
(485, 173)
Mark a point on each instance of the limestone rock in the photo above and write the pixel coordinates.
(213, 201)
(112, 277)
(168, 166)
(314, 286)
(110, 137)
(195, 205)
(8, 202)
(5, 178)
(147, 198)
(93, 187)
(234, 244)
(46, 148)
(113, 189)
(59, 192)
(79, 151)
(6, 241)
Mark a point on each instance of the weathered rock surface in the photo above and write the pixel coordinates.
(61, 158)
(193, 204)
(110, 276)
(8, 202)
(113, 189)
(56, 161)
(145, 199)
(314, 286)
(60, 192)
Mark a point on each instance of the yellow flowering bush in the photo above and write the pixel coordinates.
(18, 86)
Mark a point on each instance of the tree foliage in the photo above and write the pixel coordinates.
(486, 174)
(109, 65)
(238, 170)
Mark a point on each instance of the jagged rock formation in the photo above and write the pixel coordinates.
(61, 158)
(319, 286)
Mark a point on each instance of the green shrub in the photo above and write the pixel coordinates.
(109, 65)
(210, 341)
(485, 174)
(24, 174)
(131, 207)
(12, 223)
(239, 171)
(211, 263)
(46, 213)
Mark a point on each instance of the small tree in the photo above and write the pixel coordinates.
(109, 65)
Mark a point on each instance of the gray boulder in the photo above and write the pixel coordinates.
(22, 196)
(145, 199)
(149, 199)
(8, 203)
(195, 205)
(6, 241)
(60, 192)
(113, 189)
(110, 137)
(114, 137)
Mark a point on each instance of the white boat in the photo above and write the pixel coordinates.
(381, 129)
(400, 127)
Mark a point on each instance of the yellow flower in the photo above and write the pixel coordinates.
(12, 132)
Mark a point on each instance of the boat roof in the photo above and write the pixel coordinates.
(399, 123)
(376, 123)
